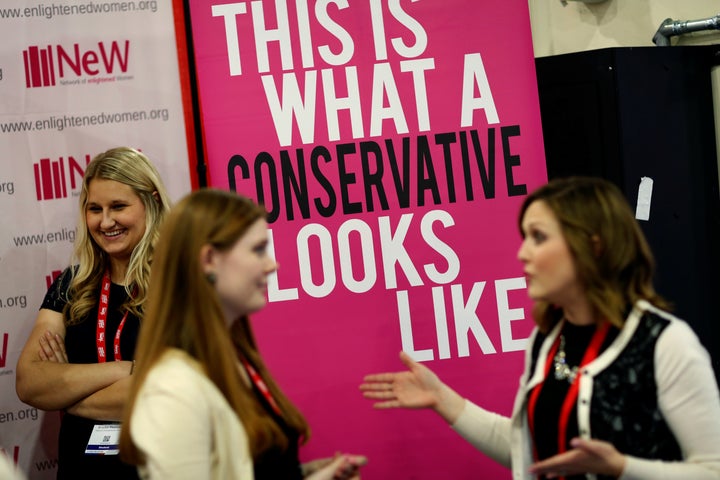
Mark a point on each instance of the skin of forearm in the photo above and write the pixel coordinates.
(106, 404)
(449, 404)
(314, 465)
(56, 386)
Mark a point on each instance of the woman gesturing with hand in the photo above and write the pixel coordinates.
(614, 385)
(418, 387)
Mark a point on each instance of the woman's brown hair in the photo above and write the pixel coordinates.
(613, 260)
(184, 312)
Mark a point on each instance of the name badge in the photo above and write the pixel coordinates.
(104, 440)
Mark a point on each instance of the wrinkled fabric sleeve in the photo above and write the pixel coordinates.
(487, 431)
(56, 296)
(171, 428)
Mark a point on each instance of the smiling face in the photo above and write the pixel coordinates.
(115, 218)
(548, 263)
(241, 272)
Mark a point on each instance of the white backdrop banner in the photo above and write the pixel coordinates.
(76, 78)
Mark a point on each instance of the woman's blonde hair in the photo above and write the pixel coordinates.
(184, 312)
(129, 167)
(613, 260)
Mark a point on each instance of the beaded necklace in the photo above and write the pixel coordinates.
(563, 371)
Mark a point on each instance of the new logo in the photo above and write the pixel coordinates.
(52, 177)
(49, 279)
(44, 67)
(3, 358)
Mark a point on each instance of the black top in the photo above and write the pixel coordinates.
(553, 393)
(276, 464)
(625, 409)
(81, 347)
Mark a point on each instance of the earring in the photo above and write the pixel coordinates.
(211, 277)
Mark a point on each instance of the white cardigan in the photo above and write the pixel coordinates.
(185, 427)
(687, 396)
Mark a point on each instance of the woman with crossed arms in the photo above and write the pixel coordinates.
(614, 386)
(79, 356)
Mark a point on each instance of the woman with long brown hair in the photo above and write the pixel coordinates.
(203, 404)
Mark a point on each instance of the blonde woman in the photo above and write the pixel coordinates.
(79, 356)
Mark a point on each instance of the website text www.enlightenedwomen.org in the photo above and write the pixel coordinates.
(92, 7)
(61, 122)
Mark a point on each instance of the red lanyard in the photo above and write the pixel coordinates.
(260, 384)
(591, 354)
(536, 391)
(102, 322)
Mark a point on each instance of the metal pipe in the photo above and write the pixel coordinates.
(670, 27)
(715, 76)
(564, 2)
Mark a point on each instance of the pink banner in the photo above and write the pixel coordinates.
(392, 142)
